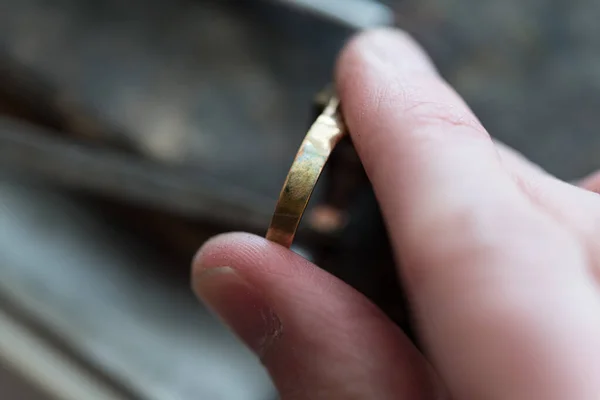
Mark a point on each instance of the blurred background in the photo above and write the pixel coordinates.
(131, 131)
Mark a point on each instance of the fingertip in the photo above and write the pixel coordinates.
(378, 51)
(226, 246)
(252, 256)
(301, 321)
(378, 38)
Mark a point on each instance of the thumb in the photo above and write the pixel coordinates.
(317, 337)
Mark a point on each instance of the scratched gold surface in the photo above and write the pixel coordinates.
(304, 173)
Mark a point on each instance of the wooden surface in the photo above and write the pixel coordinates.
(38, 151)
(13, 386)
(32, 367)
(220, 89)
(115, 302)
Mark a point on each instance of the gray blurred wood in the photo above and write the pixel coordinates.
(34, 150)
(215, 89)
(32, 368)
(113, 301)
(14, 386)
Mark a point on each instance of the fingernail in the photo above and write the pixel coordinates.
(240, 305)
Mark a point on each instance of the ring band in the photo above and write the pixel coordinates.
(314, 151)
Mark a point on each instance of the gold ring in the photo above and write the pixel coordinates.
(314, 151)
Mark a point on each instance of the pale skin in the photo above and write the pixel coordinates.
(501, 261)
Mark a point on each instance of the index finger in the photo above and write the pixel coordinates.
(457, 220)
(426, 154)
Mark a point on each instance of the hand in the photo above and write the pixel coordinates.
(500, 260)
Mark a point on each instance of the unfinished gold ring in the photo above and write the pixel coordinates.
(314, 151)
